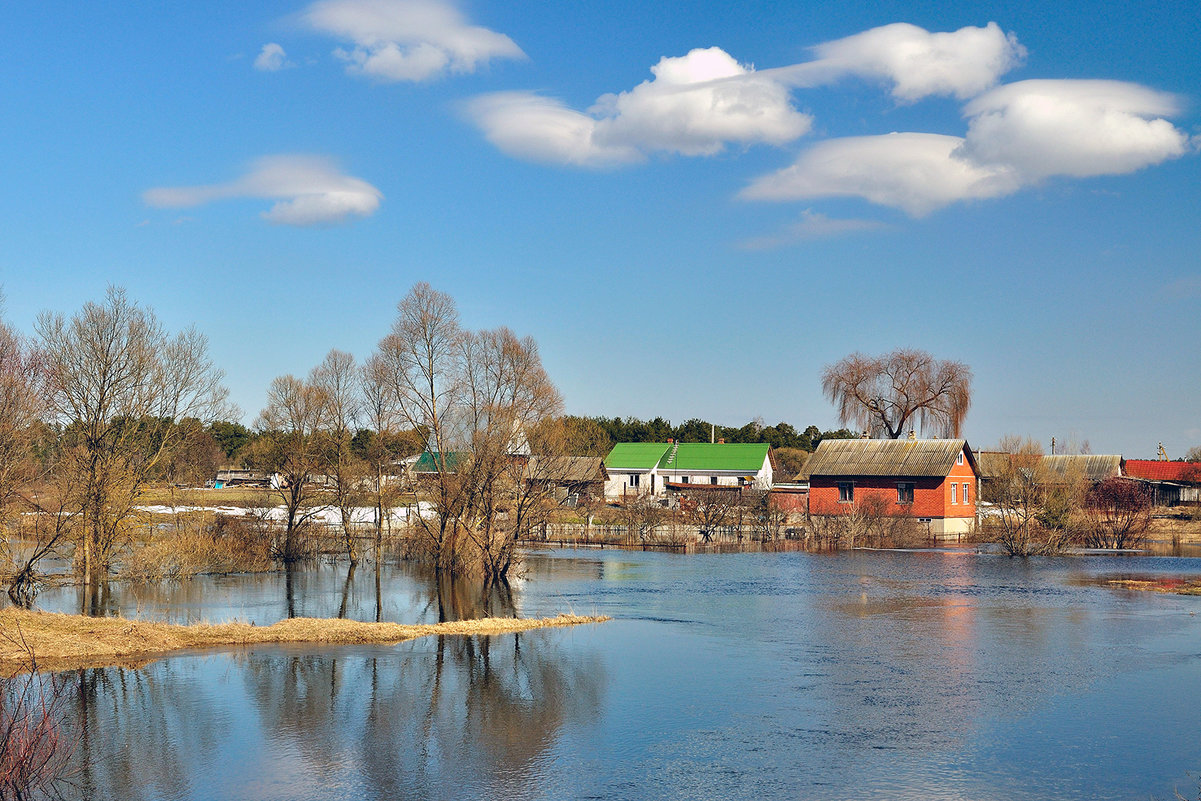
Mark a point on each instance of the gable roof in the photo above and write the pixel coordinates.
(887, 457)
(636, 455)
(1155, 470)
(732, 456)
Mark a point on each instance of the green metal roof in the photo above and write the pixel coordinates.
(746, 458)
(636, 455)
(427, 463)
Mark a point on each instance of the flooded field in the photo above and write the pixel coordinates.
(898, 675)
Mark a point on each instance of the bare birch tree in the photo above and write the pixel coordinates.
(885, 395)
(118, 383)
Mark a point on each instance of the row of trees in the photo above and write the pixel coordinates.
(97, 406)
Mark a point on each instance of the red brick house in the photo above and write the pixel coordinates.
(933, 480)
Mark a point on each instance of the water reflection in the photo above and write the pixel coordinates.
(752, 676)
(444, 718)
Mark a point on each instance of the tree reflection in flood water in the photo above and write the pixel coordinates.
(926, 675)
(437, 718)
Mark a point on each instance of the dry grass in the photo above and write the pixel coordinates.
(1169, 585)
(62, 642)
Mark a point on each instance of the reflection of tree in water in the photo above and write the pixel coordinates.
(474, 717)
(135, 725)
(432, 718)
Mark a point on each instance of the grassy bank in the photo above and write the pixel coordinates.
(62, 642)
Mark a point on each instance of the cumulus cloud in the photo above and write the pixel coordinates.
(310, 190)
(919, 63)
(813, 225)
(407, 40)
(1073, 127)
(271, 58)
(916, 172)
(691, 106)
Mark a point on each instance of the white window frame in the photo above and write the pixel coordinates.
(954, 488)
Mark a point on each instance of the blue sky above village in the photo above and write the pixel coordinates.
(691, 207)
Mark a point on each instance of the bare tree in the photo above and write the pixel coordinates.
(118, 383)
(1019, 495)
(385, 442)
(1118, 512)
(477, 396)
(338, 378)
(422, 371)
(884, 394)
(710, 508)
(290, 444)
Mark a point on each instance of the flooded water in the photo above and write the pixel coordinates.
(881, 675)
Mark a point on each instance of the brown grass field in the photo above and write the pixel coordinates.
(63, 642)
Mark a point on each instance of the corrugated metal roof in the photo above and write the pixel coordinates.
(744, 457)
(636, 455)
(1094, 467)
(1061, 467)
(1154, 470)
(566, 469)
(885, 457)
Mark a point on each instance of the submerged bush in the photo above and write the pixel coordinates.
(199, 543)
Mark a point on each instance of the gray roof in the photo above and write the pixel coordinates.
(1094, 467)
(886, 457)
(566, 469)
(1058, 468)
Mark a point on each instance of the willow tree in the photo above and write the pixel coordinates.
(118, 384)
(887, 395)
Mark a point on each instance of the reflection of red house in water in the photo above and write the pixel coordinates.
(932, 480)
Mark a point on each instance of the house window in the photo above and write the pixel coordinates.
(713, 479)
(959, 458)
(966, 497)
(634, 480)
(904, 492)
(683, 479)
(953, 488)
(846, 491)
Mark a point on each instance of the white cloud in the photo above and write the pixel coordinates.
(407, 40)
(1073, 127)
(536, 128)
(310, 191)
(690, 107)
(271, 58)
(919, 63)
(916, 172)
(1018, 135)
(813, 225)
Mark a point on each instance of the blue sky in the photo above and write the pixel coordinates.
(692, 241)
